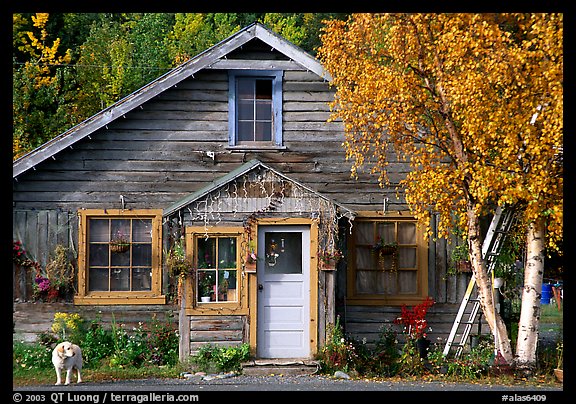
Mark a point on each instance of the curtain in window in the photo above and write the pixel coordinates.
(390, 273)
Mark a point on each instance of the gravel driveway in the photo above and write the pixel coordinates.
(282, 383)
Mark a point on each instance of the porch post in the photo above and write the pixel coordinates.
(183, 325)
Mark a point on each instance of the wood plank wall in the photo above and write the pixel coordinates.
(157, 154)
(32, 318)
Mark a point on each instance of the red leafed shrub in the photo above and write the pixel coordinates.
(414, 320)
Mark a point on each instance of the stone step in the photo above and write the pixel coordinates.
(288, 367)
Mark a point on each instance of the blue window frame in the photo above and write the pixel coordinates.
(255, 109)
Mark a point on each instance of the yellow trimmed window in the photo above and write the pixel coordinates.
(388, 261)
(218, 280)
(120, 257)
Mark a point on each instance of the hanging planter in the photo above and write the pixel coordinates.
(329, 259)
(119, 246)
(250, 264)
(383, 252)
(388, 250)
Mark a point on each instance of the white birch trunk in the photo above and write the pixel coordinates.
(485, 292)
(529, 324)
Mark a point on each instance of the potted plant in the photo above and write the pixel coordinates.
(505, 266)
(251, 257)
(559, 371)
(383, 248)
(205, 286)
(415, 325)
(328, 259)
(177, 263)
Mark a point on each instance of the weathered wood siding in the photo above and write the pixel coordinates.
(366, 323)
(157, 154)
(217, 330)
(34, 318)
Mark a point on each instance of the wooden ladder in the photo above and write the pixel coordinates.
(470, 306)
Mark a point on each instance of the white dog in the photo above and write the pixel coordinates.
(67, 356)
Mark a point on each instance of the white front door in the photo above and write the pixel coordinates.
(283, 292)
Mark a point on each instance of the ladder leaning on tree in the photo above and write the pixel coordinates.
(470, 306)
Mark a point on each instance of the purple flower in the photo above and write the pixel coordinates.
(43, 283)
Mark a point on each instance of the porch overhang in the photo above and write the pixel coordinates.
(247, 168)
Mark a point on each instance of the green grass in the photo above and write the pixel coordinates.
(36, 377)
(551, 314)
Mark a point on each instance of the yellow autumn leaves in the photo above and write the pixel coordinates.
(456, 96)
(44, 55)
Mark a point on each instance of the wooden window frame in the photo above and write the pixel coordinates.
(240, 305)
(277, 142)
(421, 266)
(152, 296)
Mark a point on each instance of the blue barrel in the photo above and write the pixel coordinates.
(546, 293)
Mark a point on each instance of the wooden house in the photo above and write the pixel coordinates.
(232, 155)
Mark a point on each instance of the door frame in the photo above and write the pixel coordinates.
(313, 304)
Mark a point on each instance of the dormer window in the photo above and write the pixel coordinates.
(255, 109)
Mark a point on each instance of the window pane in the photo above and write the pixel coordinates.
(406, 233)
(376, 282)
(364, 258)
(263, 131)
(206, 253)
(407, 257)
(245, 89)
(264, 89)
(263, 110)
(227, 286)
(98, 279)
(142, 231)
(389, 282)
(98, 255)
(246, 131)
(120, 279)
(407, 281)
(120, 230)
(364, 233)
(226, 252)
(245, 110)
(98, 230)
(386, 232)
(283, 252)
(120, 258)
(141, 255)
(206, 284)
(141, 279)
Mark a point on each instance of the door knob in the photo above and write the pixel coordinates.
(260, 287)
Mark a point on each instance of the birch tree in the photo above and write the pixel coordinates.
(454, 95)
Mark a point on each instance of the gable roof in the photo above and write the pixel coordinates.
(239, 172)
(209, 58)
